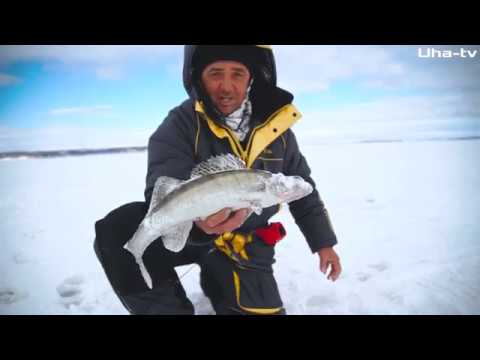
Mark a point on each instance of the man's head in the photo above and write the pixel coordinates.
(226, 83)
(258, 59)
(225, 72)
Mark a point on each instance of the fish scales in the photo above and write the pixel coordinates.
(211, 193)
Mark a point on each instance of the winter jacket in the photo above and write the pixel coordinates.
(191, 133)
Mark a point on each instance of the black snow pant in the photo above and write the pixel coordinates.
(232, 289)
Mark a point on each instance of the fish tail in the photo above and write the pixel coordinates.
(145, 274)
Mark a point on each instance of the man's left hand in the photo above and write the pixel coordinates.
(329, 258)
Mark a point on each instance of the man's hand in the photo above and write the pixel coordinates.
(328, 257)
(223, 221)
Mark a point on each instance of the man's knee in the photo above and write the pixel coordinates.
(112, 232)
(123, 273)
(168, 299)
(118, 226)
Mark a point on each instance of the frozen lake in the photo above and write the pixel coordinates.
(406, 215)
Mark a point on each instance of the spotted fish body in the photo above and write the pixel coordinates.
(218, 183)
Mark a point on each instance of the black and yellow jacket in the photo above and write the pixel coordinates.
(191, 133)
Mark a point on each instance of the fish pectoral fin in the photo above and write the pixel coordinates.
(146, 276)
(176, 237)
(163, 186)
(257, 210)
(256, 206)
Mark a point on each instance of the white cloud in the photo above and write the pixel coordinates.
(301, 68)
(455, 74)
(94, 54)
(6, 79)
(401, 109)
(107, 61)
(304, 68)
(112, 72)
(396, 117)
(84, 110)
(309, 68)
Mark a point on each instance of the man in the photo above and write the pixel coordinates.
(234, 106)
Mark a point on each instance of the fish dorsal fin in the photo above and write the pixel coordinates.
(176, 237)
(217, 164)
(163, 186)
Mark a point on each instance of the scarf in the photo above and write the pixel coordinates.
(239, 120)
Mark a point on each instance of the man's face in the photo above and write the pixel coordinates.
(226, 83)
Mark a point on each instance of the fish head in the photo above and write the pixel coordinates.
(288, 188)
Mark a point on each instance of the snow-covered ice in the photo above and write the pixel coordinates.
(406, 215)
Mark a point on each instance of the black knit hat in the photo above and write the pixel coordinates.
(248, 55)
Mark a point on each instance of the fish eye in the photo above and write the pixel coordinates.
(281, 188)
(261, 186)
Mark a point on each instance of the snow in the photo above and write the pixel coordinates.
(406, 215)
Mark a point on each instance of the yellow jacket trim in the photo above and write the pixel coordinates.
(259, 311)
(233, 244)
(197, 136)
(270, 130)
(222, 132)
(261, 136)
(268, 47)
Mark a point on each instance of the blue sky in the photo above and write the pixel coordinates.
(44, 88)
(134, 87)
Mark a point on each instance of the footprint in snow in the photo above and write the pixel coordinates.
(320, 301)
(381, 266)
(394, 297)
(361, 276)
(71, 291)
(22, 258)
(10, 295)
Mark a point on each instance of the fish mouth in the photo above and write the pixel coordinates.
(299, 192)
(291, 197)
(289, 188)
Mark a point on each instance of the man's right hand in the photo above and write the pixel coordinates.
(225, 220)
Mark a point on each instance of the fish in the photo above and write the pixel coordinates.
(222, 181)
